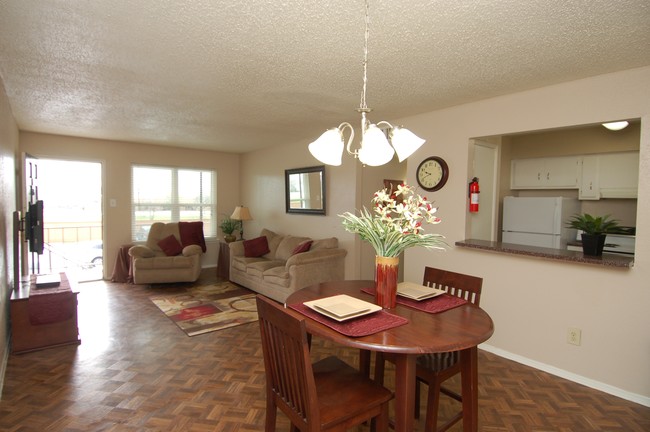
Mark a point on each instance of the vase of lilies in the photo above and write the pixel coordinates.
(394, 225)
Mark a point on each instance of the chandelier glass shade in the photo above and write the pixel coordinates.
(379, 142)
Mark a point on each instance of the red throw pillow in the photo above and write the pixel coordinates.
(170, 245)
(256, 247)
(302, 247)
(192, 233)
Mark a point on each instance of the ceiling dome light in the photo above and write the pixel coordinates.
(616, 126)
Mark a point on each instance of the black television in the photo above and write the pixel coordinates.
(34, 227)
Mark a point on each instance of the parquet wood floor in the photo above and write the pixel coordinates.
(136, 371)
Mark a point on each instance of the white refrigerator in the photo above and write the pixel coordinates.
(538, 221)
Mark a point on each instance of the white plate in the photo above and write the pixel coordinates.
(417, 292)
(342, 307)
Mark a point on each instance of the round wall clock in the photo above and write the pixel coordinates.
(432, 173)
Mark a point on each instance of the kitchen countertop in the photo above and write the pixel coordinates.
(606, 260)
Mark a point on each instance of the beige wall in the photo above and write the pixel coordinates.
(8, 151)
(575, 141)
(532, 301)
(116, 158)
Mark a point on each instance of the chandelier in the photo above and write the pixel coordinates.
(379, 142)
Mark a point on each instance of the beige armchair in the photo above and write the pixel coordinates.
(172, 253)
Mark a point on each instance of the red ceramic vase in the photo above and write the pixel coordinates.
(386, 269)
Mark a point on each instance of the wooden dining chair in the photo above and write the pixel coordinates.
(328, 395)
(434, 369)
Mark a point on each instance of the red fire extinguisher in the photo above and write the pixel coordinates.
(473, 195)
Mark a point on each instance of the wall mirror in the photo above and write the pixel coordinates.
(305, 190)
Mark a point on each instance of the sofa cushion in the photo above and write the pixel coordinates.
(164, 263)
(277, 276)
(240, 263)
(258, 268)
(256, 247)
(192, 234)
(302, 247)
(287, 245)
(170, 245)
(326, 243)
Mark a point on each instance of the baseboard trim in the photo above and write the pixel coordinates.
(606, 388)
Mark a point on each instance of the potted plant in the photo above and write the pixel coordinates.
(395, 224)
(228, 227)
(594, 230)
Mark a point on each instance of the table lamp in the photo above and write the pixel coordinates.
(241, 214)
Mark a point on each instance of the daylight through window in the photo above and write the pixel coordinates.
(161, 194)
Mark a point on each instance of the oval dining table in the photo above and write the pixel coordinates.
(459, 329)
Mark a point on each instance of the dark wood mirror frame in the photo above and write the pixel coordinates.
(311, 201)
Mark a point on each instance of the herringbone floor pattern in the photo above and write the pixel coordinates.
(136, 371)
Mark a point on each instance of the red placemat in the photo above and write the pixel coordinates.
(437, 304)
(355, 327)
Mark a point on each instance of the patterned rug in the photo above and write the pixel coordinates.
(208, 308)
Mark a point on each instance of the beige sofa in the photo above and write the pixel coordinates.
(159, 261)
(280, 272)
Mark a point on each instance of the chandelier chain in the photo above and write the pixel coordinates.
(363, 105)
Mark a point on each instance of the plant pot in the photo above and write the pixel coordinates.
(229, 238)
(386, 269)
(592, 244)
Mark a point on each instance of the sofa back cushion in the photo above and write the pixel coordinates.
(159, 231)
(287, 246)
(326, 243)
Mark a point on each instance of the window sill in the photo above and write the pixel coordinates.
(606, 260)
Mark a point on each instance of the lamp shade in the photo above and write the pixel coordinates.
(375, 149)
(405, 142)
(241, 213)
(328, 148)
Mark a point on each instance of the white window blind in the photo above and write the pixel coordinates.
(164, 194)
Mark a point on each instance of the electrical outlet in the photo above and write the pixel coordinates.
(573, 336)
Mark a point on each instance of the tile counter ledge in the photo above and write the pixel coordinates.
(606, 260)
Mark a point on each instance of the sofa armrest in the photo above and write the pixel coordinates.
(319, 255)
(192, 250)
(141, 251)
(236, 248)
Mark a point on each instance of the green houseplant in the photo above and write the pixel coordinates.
(394, 225)
(594, 231)
(228, 227)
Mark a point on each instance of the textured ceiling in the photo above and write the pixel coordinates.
(241, 75)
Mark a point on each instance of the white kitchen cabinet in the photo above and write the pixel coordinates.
(545, 173)
(609, 175)
(589, 184)
(618, 174)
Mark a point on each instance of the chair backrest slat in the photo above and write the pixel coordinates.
(456, 284)
(289, 374)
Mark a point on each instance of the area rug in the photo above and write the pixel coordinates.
(208, 308)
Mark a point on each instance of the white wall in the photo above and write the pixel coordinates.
(8, 151)
(531, 301)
